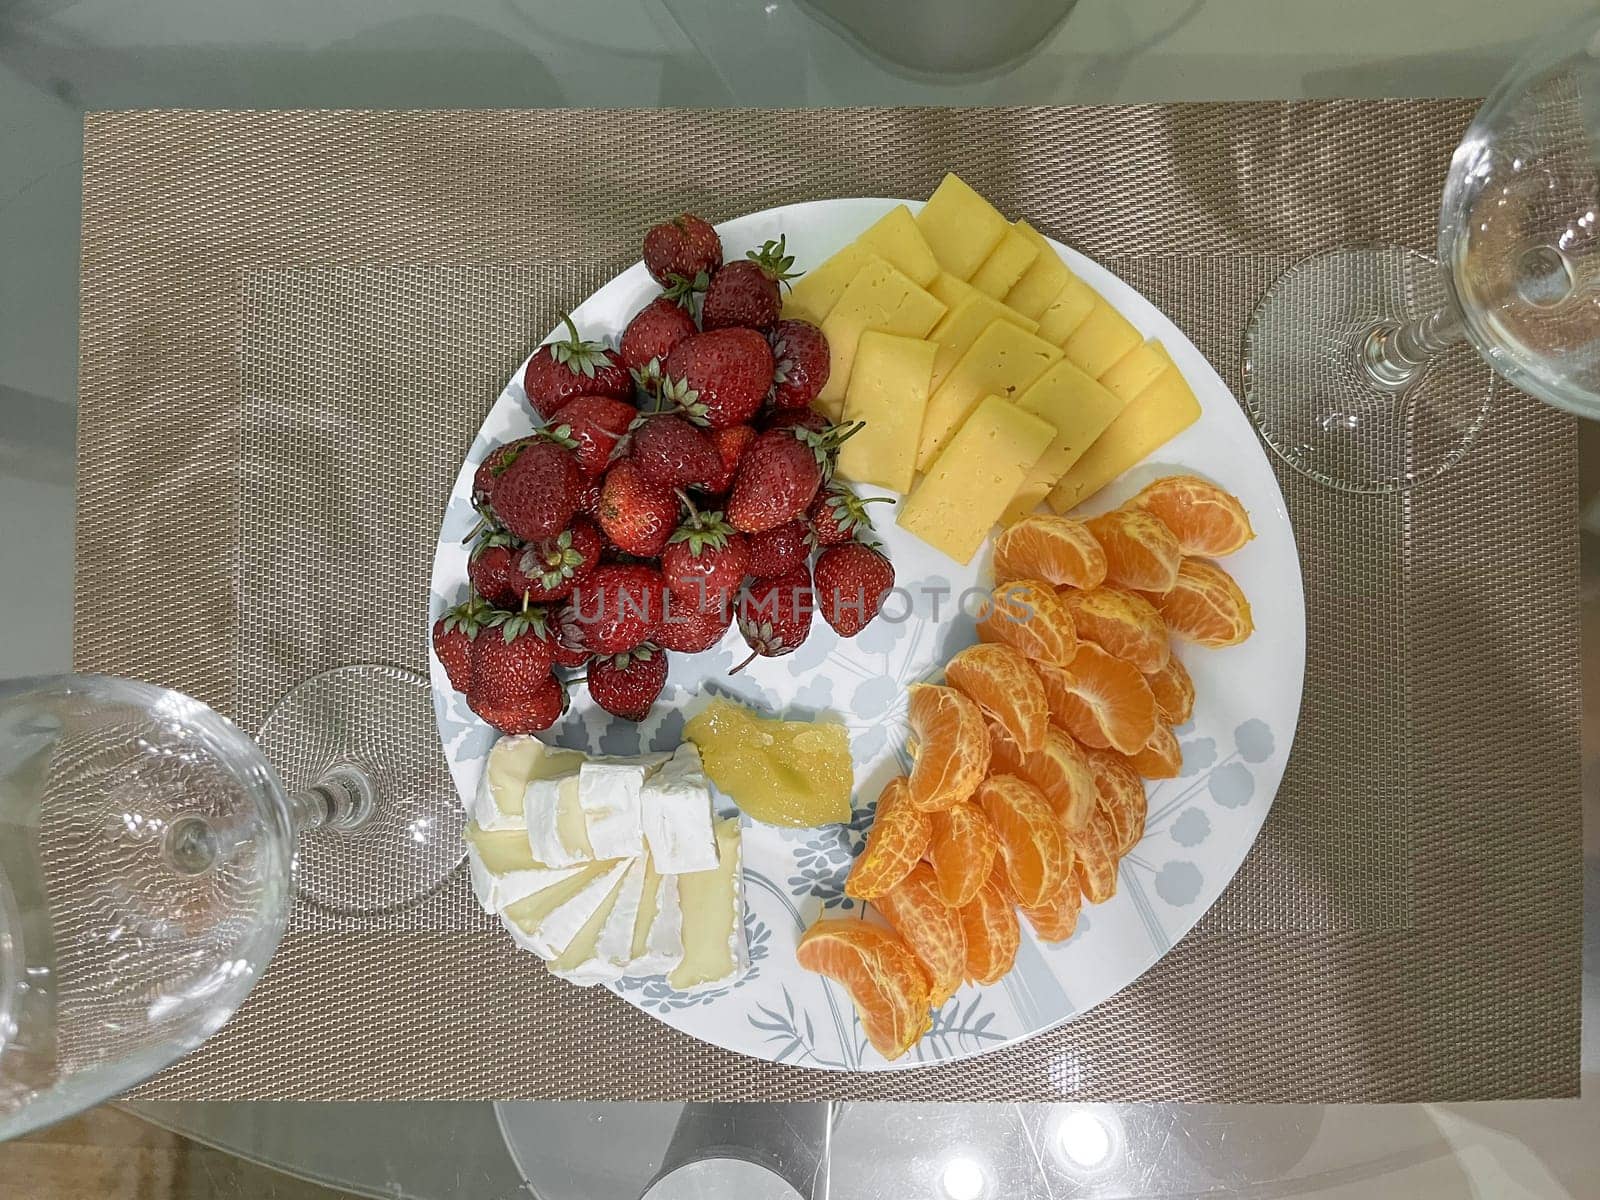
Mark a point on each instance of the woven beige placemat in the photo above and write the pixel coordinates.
(306, 292)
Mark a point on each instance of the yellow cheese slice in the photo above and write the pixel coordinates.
(970, 484)
(1136, 370)
(1007, 262)
(881, 298)
(1154, 417)
(952, 290)
(1103, 337)
(895, 237)
(1067, 311)
(961, 227)
(816, 292)
(964, 324)
(889, 389)
(1002, 361)
(713, 917)
(1042, 282)
(1081, 410)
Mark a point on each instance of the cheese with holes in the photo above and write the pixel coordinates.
(969, 485)
(503, 870)
(513, 763)
(961, 227)
(547, 921)
(813, 295)
(657, 945)
(558, 835)
(1007, 262)
(888, 391)
(1002, 362)
(1042, 282)
(1164, 409)
(968, 317)
(1136, 370)
(1080, 409)
(895, 237)
(715, 953)
(1103, 337)
(602, 948)
(609, 791)
(1067, 311)
(880, 298)
(675, 811)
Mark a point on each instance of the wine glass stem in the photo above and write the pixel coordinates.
(342, 799)
(1395, 354)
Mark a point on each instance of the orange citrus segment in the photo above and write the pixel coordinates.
(1027, 615)
(1056, 549)
(1094, 861)
(1004, 685)
(1174, 692)
(895, 843)
(993, 934)
(1141, 552)
(1033, 844)
(1204, 518)
(1205, 605)
(1100, 700)
(931, 928)
(1121, 623)
(882, 975)
(952, 747)
(1059, 770)
(1160, 757)
(1121, 798)
(1057, 918)
(962, 851)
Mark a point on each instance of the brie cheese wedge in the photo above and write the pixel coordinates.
(657, 944)
(675, 811)
(558, 835)
(608, 792)
(513, 762)
(549, 921)
(603, 947)
(715, 952)
(503, 870)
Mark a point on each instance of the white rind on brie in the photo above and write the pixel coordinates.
(502, 869)
(608, 792)
(549, 921)
(558, 835)
(675, 813)
(604, 947)
(715, 952)
(512, 763)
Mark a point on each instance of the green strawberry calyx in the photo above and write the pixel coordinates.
(578, 356)
(551, 562)
(530, 618)
(676, 393)
(469, 617)
(560, 435)
(774, 262)
(701, 530)
(629, 658)
(489, 537)
(825, 445)
(849, 511)
(682, 289)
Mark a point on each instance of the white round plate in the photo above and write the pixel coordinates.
(1200, 825)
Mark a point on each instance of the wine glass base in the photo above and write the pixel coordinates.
(1311, 397)
(378, 719)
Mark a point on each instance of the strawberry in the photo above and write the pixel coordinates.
(637, 514)
(795, 418)
(779, 475)
(614, 609)
(556, 565)
(492, 569)
(705, 557)
(775, 615)
(748, 294)
(654, 331)
(594, 424)
(453, 635)
(730, 444)
(839, 515)
(510, 665)
(492, 467)
(672, 452)
(561, 371)
(852, 581)
(535, 497)
(562, 624)
(692, 625)
(718, 378)
(778, 551)
(800, 363)
(680, 249)
(627, 684)
(589, 497)
(537, 712)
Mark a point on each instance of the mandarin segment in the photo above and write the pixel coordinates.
(1205, 519)
(993, 935)
(1033, 843)
(1027, 615)
(1121, 623)
(1121, 798)
(1160, 757)
(1205, 605)
(1141, 553)
(1094, 860)
(1100, 700)
(1059, 770)
(1174, 692)
(962, 850)
(952, 747)
(1057, 918)
(895, 844)
(1002, 682)
(931, 928)
(885, 981)
(1058, 550)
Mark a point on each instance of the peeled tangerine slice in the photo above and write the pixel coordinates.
(993, 935)
(1033, 844)
(794, 773)
(1100, 700)
(931, 928)
(895, 843)
(1027, 615)
(1141, 553)
(1121, 797)
(1160, 758)
(888, 985)
(1057, 550)
(1205, 519)
(961, 849)
(952, 747)
(1174, 692)
(1057, 918)
(1094, 862)
(1206, 606)
(1060, 770)
(1004, 685)
(1121, 623)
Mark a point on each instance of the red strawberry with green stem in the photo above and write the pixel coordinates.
(681, 248)
(775, 616)
(671, 451)
(492, 569)
(780, 473)
(801, 363)
(718, 378)
(492, 467)
(690, 625)
(778, 551)
(637, 514)
(839, 515)
(453, 635)
(851, 582)
(535, 497)
(556, 565)
(594, 425)
(534, 714)
(656, 329)
(730, 444)
(748, 293)
(627, 684)
(705, 557)
(614, 609)
(510, 662)
(571, 367)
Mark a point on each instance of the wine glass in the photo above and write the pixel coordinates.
(150, 852)
(1372, 368)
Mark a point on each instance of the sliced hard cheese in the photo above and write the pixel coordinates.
(603, 948)
(714, 950)
(1066, 312)
(503, 870)
(547, 921)
(513, 762)
(1042, 282)
(889, 388)
(1002, 362)
(608, 792)
(881, 298)
(969, 316)
(1007, 262)
(1080, 409)
(973, 480)
(961, 227)
(558, 835)
(816, 292)
(895, 237)
(1155, 416)
(1136, 370)
(675, 811)
(1104, 336)
(657, 944)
